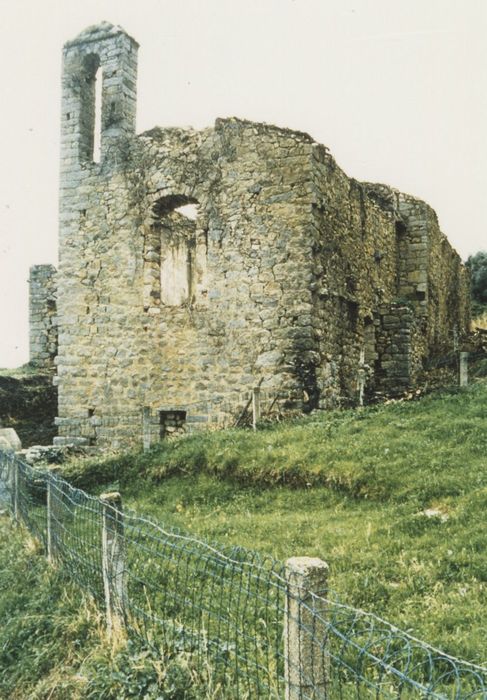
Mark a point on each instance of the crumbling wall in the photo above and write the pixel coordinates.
(195, 265)
(355, 259)
(132, 341)
(431, 281)
(43, 330)
(448, 295)
(397, 364)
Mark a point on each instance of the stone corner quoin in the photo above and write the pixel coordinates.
(196, 265)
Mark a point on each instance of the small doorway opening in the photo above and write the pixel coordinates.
(171, 423)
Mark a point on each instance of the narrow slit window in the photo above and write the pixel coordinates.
(90, 109)
(97, 124)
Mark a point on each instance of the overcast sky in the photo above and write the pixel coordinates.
(397, 90)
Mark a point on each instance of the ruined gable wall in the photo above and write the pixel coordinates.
(255, 205)
(289, 272)
(122, 350)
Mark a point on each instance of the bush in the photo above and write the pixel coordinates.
(477, 264)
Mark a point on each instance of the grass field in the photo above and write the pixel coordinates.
(393, 497)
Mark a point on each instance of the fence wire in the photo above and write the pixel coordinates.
(232, 611)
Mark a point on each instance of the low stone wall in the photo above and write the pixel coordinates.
(149, 425)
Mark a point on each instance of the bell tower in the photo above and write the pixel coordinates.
(106, 54)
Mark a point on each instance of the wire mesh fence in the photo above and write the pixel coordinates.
(254, 626)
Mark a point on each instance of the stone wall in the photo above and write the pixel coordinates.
(195, 265)
(355, 258)
(397, 366)
(42, 316)
(125, 344)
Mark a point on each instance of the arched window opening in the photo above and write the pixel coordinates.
(90, 78)
(175, 255)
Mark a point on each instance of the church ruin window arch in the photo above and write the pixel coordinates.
(175, 251)
(90, 82)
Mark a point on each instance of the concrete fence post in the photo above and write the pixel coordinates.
(256, 413)
(463, 374)
(113, 562)
(146, 428)
(307, 668)
(361, 379)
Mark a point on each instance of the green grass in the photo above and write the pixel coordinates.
(53, 643)
(393, 497)
(351, 487)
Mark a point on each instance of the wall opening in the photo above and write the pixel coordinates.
(86, 85)
(177, 260)
(175, 255)
(190, 211)
(97, 119)
(401, 229)
(171, 423)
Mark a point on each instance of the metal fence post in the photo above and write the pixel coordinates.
(113, 562)
(305, 633)
(255, 406)
(463, 374)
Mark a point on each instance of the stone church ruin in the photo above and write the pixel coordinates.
(196, 265)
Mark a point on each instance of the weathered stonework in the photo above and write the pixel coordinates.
(42, 316)
(195, 264)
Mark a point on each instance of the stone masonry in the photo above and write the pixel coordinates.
(195, 265)
(42, 316)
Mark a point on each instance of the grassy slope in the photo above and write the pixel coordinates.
(350, 487)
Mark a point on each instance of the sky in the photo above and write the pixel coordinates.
(397, 90)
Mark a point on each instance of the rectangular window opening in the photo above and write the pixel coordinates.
(171, 423)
